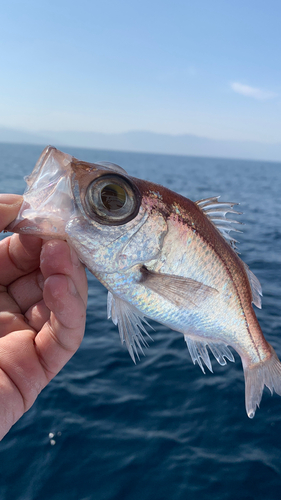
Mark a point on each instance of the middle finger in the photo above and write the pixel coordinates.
(27, 290)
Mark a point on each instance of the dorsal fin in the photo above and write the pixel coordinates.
(255, 286)
(216, 211)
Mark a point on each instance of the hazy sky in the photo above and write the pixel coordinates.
(206, 67)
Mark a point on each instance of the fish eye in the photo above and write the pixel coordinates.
(112, 200)
(113, 196)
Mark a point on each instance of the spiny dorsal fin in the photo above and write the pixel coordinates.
(129, 321)
(216, 211)
(198, 352)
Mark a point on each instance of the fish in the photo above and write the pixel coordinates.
(161, 256)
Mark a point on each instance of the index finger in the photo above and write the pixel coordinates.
(19, 254)
(9, 207)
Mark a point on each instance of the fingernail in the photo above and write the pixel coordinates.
(74, 257)
(10, 199)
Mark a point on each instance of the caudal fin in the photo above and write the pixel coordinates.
(256, 377)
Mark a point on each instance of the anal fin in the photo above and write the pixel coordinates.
(198, 352)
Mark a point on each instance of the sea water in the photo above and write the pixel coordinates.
(105, 429)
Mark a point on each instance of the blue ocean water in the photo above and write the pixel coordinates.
(160, 429)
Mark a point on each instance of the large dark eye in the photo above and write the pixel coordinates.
(112, 199)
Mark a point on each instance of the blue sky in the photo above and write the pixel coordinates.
(210, 68)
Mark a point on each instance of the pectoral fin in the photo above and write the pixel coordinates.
(183, 292)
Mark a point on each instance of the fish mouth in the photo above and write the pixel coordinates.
(45, 226)
(48, 200)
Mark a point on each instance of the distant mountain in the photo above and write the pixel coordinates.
(149, 142)
(20, 136)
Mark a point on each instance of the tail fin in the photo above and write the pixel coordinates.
(257, 376)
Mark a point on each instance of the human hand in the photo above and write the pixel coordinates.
(43, 296)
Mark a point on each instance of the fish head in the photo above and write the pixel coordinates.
(97, 207)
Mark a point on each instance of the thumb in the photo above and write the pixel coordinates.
(9, 207)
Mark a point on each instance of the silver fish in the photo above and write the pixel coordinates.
(160, 255)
